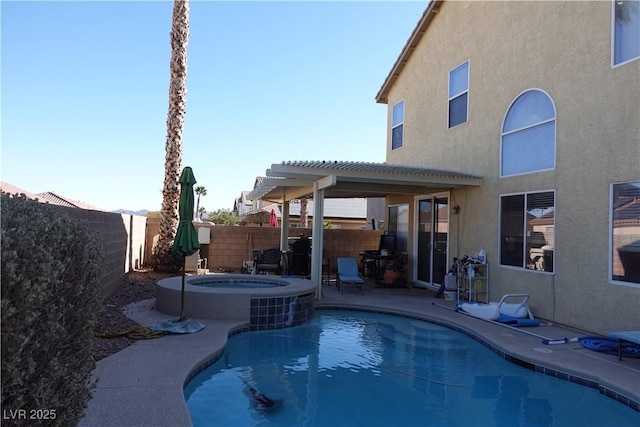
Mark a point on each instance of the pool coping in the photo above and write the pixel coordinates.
(143, 385)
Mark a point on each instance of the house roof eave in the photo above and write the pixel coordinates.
(415, 37)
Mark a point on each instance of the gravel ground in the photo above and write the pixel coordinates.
(137, 286)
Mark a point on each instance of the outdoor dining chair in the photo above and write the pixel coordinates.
(348, 274)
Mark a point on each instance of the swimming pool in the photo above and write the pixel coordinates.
(358, 368)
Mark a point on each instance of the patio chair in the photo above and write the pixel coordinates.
(326, 271)
(348, 274)
(268, 260)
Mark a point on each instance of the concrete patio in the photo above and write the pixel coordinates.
(143, 384)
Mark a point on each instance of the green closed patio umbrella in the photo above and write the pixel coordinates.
(185, 244)
(186, 241)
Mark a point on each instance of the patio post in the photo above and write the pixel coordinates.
(317, 246)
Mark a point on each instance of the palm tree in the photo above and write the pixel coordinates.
(201, 211)
(175, 123)
(200, 190)
(304, 214)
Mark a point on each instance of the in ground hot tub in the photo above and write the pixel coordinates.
(265, 302)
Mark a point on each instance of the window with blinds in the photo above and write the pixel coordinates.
(459, 94)
(527, 230)
(626, 31)
(397, 125)
(625, 233)
(529, 135)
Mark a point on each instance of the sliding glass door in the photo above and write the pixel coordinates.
(399, 226)
(432, 239)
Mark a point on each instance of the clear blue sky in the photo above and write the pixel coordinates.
(85, 92)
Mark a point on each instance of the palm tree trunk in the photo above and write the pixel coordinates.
(304, 215)
(175, 123)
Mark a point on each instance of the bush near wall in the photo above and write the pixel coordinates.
(51, 269)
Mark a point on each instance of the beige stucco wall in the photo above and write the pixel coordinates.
(564, 49)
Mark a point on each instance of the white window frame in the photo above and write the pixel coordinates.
(611, 234)
(524, 232)
(613, 35)
(458, 95)
(542, 122)
(395, 124)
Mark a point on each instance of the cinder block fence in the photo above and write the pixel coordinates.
(231, 245)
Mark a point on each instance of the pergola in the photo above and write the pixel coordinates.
(291, 180)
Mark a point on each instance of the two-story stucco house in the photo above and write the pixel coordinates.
(513, 127)
(541, 100)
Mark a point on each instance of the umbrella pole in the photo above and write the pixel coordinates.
(184, 265)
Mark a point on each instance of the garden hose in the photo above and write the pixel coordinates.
(138, 332)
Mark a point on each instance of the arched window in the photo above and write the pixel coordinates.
(529, 135)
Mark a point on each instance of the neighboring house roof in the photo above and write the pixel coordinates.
(545, 219)
(628, 212)
(258, 181)
(56, 199)
(261, 215)
(407, 50)
(353, 208)
(242, 204)
(12, 189)
(47, 197)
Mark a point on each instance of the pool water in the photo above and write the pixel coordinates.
(238, 284)
(350, 368)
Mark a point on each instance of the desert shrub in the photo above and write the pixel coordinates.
(50, 305)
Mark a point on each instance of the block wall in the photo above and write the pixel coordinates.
(121, 237)
(231, 245)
